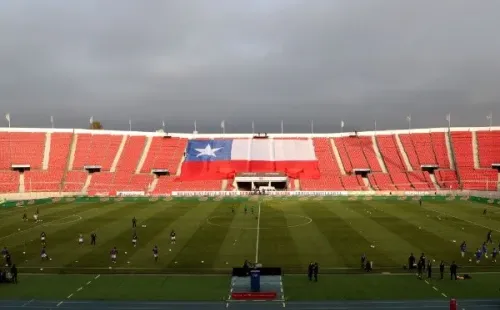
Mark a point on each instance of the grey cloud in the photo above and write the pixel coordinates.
(262, 60)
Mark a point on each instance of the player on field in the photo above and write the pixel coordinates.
(252, 209)
(35, 217)
(44, 254)
(484, 212)
(363, 260)
(172, 237)
(113, 254)
(246, 209)
(25, 217)
(43, 237)
(420, 201)
(478, 256)
(441, 269)
(488, 237)
(484, 250)
(422, 260)
(93, 237)
(494, 255)
(134, 240)
(232, 209)
(134, 223)
(80, 239)
(5, 252)
(155, 253)
(463, 249)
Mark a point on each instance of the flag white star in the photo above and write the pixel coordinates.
(208, 151)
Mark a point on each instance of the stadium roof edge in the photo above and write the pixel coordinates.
(248, 135)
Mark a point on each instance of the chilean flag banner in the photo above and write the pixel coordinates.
(221, 159)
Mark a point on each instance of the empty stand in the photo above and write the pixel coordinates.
(74, 181)
(43, 181)
(470, 178)
(168, 184)
(440, 151)
(330, 172)
(164, 153)
(447, 179)
(131, 154)
(21, 148)
(96, 150)
(9, 182)
(488, 148)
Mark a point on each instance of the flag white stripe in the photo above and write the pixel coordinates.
(273, 150)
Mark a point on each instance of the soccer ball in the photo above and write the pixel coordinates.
(470, 260)
(202, 261)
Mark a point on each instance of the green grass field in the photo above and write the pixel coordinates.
(210, 238)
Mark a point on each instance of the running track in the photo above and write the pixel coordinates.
(472, 304)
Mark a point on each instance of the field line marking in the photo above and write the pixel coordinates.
(444, 295)
(79, 289)
(36, 226)
(97, 277)
(434, 288)
(88, 283)
(69, 296)
(29, 302)
(258, 237)
(461, 219)
(60, 303)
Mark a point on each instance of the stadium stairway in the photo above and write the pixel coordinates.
(434, 182)
(22, 188)
(87, 183)
(119, 153)
(179, 168)
(337, 157)
(72, 152)
(449, 149)
(475, 152)
(403, 153)
(153, 184)
(144, 155)
(378, 155)
(46, 151)
(296, 184)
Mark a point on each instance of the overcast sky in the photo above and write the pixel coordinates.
(262, 60)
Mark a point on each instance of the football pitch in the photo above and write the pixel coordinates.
(212, 238)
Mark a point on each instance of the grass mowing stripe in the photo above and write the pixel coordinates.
(203, 246)
(301, 228)
(447, 228)
(434, 246)
(239, 240)
(277, 247)
(348, 242)
(102, 224)
(16, 226)
(30, 242)
(118, 233)
(157, 232)
(391, 244)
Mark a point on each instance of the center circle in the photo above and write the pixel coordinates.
(292, 221)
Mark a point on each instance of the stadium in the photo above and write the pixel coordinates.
(279, 201)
